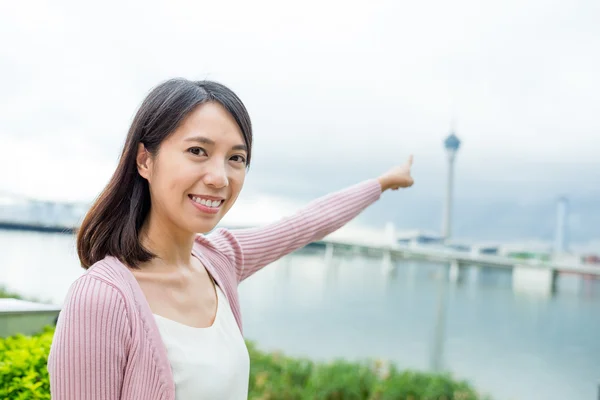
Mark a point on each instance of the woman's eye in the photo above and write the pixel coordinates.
(197, 151)
(239, 159)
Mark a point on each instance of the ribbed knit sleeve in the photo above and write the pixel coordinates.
(251, 249)
(90, 346)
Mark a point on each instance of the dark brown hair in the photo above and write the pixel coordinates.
(112, 225)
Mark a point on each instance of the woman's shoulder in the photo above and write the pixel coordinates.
(220, 251)
(95, 308)
(220, 242)
(106, 280)
(112, 272)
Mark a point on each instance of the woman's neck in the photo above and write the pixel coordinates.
(171, 246)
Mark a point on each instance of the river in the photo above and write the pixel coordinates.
(509, 345)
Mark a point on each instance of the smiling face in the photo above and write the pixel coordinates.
(198, 172)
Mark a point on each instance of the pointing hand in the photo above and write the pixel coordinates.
(397, 177)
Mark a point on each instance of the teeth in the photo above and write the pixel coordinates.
(207, 203)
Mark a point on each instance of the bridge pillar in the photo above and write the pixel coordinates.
(328, 253)
(535, 280)
(454, 272)
(387, 263)
(412, 270)
(473, 274)
(391, 238)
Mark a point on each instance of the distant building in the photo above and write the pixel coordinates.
(419, 237)
(43, 214)
(591, 259)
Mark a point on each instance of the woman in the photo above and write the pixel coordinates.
(157, 314)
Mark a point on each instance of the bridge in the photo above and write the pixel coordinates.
(445, 255)
(527, 274)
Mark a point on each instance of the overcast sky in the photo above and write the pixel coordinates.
(338, 90)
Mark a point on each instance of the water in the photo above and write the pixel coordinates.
(511, 346)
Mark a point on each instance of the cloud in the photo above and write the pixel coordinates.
(338, 91)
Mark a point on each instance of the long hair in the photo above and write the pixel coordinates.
(112, 224)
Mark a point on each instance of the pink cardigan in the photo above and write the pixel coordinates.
(107, 345)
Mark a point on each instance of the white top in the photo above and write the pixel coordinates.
(207, 363)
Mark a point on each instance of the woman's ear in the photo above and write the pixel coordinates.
(143, 161)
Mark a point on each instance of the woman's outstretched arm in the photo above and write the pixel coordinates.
(251, 249)
(89, 349)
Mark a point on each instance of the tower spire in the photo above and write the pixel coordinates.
(451, 144)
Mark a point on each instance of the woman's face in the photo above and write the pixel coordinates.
(198, 172)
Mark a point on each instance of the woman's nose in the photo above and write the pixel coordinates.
(216, 176)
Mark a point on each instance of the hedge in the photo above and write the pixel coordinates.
(5, 293)
(23, 373)
(273, 376)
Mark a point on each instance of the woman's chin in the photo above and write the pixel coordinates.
(203, 222)
(204, 226)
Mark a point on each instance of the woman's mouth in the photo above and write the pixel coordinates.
(210, 205)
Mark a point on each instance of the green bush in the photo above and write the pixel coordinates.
(273, 376)
(419, 385)
(5, 293)
(23, 372)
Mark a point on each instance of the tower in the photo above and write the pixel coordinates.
(562, 216)
(451, 144)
